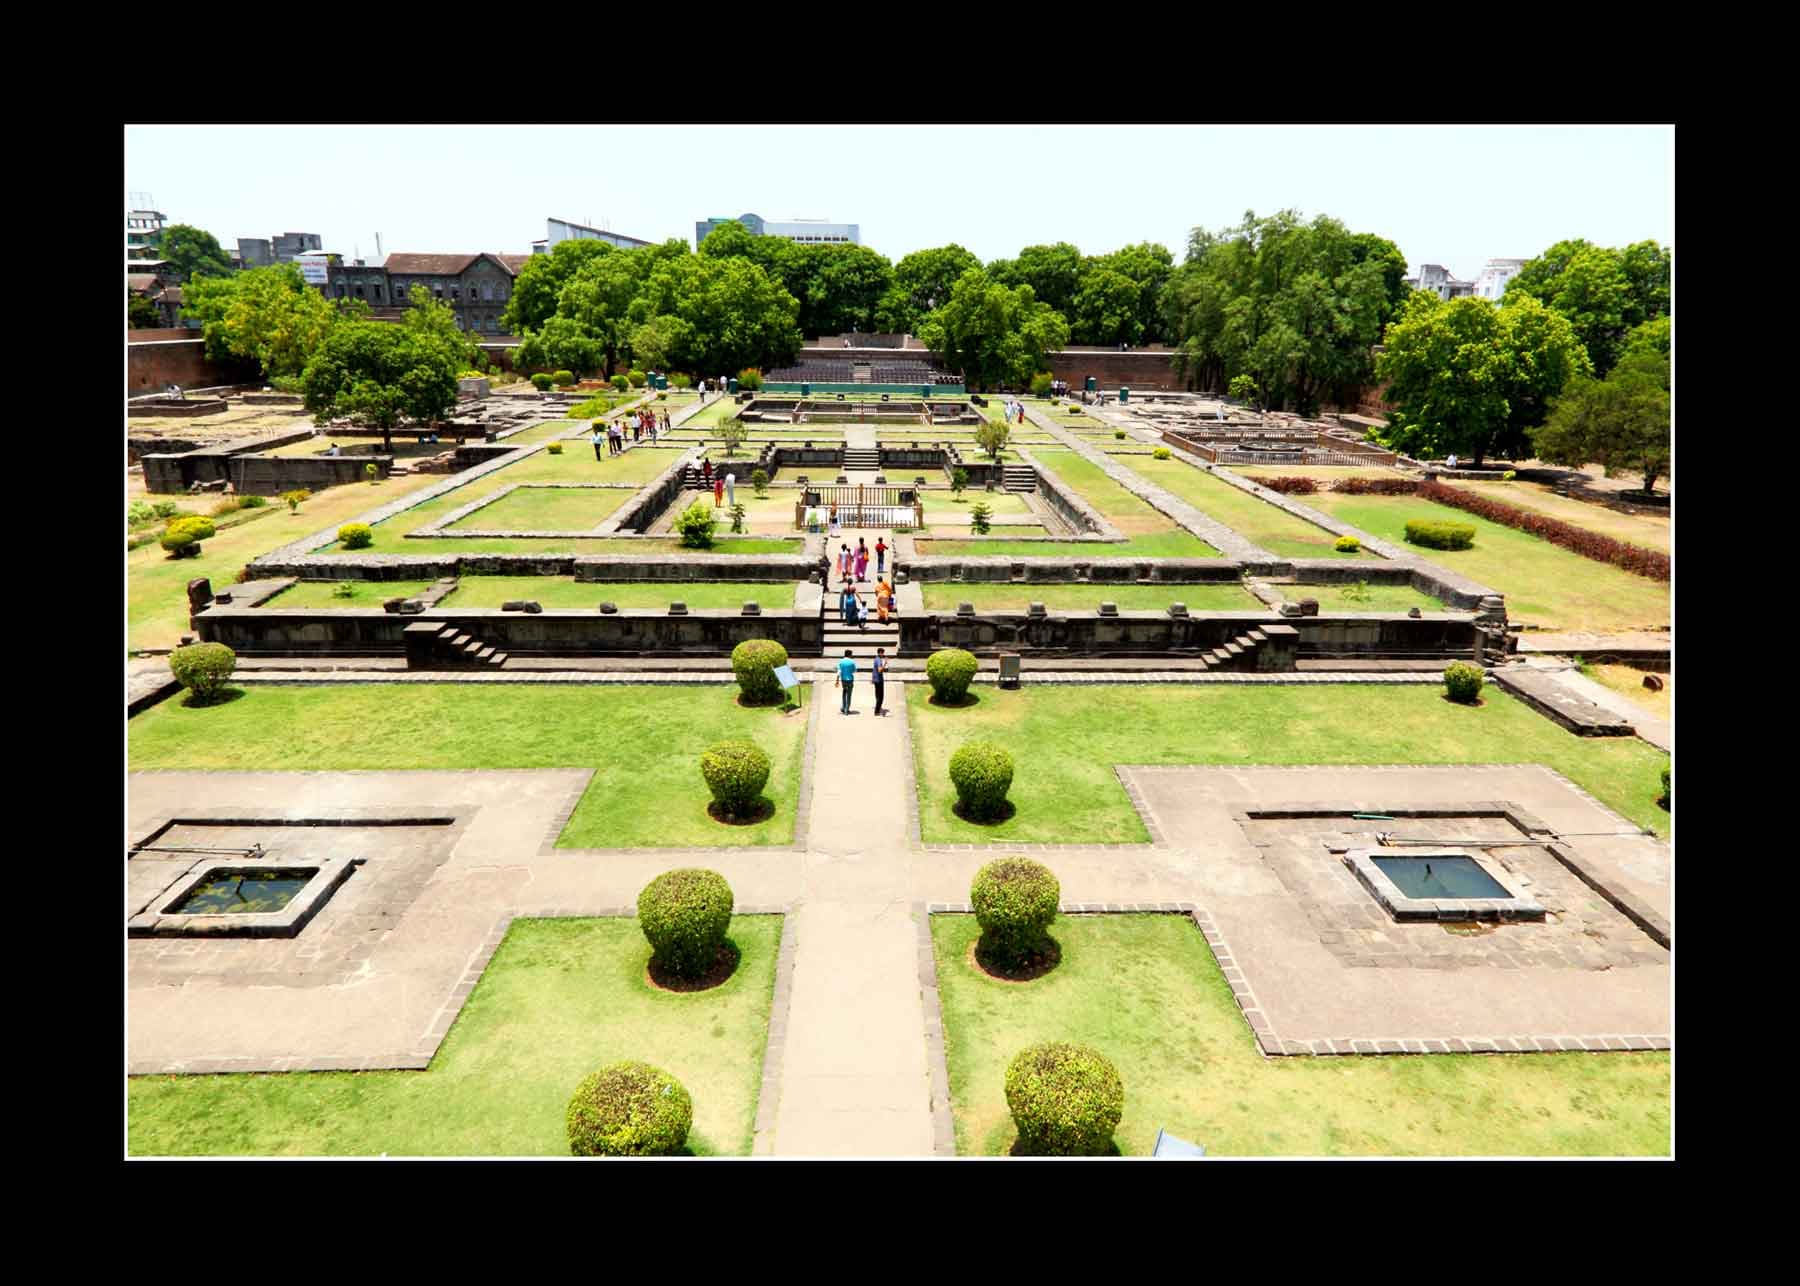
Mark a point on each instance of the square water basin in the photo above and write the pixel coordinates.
(244, 891)
(1440, 876)
(243, 898)
(1440, 885)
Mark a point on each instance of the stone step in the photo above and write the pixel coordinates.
(1256, 636)
(456, 641)
(497, 660)
(486, 654)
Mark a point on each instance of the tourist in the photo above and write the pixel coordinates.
(598, 438)
(1451, 462)
(846, 677)
(718, 491)
(862, 559)
(824, 574)
(706, 470)
(334, 450)
(880, 555)
(884, 600)
(878, 672)
(831, 528)
(843, 562)
(731, 489)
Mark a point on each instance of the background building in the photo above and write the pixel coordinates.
(559, 230)
(291, 245)
(256, 252)
(1490, 283)
(143, 233)
(475, 286)
(1437, 279)
(807, 231)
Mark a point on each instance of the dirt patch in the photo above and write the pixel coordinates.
(724, 964)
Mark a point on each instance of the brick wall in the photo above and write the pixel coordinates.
(153, 366)
(1140, 368)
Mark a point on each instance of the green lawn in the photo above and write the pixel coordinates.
(362, 594)
(1167, 544)
(644, 744)
(1065, 741)
(575, 464)
(1255, 520)
(1367, 598)
(999, 502)
(548, 431)
(156, 585)
(547, 509)
(943, 596)
(561, 592)
(1145, 991)
(1650, 531)
(1544, 584)
(559, 999)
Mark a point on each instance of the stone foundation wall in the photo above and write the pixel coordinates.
(186, 409)
(1067, 571)
(648, 505)
(166, 474)
(785, 569)
(1369, 635)
(272, 475)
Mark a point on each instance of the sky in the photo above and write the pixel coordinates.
(1453, 195)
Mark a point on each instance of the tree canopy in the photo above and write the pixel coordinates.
(992, 333)
(265, 315)
(922, 282)
(1623, 422)
(1469, 378)
(1297, 306)
(1052, 272)
(1603, 293)
(140, 313)
(376, 373)
(193, 253)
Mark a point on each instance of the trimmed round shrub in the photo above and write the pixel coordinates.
(759, 479)
(696, 523)
(629, 1110)
(684, 914)
(1015, 903)
(621, 382)
(754, 662)
(562, 378)
(1668, 793)
(1347, 544)
(555, 448)
(950, 670)
(735, 772)
(203, 668)
(1066, 1100)
(1119, 434)
(1161, 453)
(542, 382)
(1440, 535)
(637, 379)
(1509, 475)
(356, 535)
(982, 773)
(252, 502)
(749, 379)
(1462, 681)
(183, 536)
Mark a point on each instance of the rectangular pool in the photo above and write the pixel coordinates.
(1440, 876)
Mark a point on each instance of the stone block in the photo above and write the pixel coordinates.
(1109, 609)
(1035, 609)
(609, 608)
(1309, 607)
(1178, 609)
(1289, 609)
(752, 609)
(678, 609)
(411, 607)
(521, 605)
(392, 605)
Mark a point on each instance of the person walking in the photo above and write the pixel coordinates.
(845, 567)
(880, 555)
(862, 560)
(878, 673)
(718, 491)
(884, 600)
(731, 489)
(847, 677)
(597, 439)
(824, 574)
(706, 470)
(831, 528)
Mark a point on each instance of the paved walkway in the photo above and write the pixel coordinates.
(1595, 645)
(1658, 732)
(854, 1079)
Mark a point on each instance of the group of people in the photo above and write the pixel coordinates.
(852, 567)
(877, 672)
(638, 423)
(1015, 411)
(724, 486)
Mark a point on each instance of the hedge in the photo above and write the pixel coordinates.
(982, 773)
(684, 915)
(541, 382)
(1603, 549)
(183, 536)
(735, 773)
(754, 661)
(1015, 902)
(629, 1110)
(1290, 486)
(1066, 1100)
(949, 671)
(1439, 535)
(1375, 486)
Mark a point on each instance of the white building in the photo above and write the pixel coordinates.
(1491, 283)
(560, 230)
(1437, 279)
(805, 231)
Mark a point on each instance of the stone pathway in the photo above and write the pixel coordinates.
(1658, 732)
(854, 1079)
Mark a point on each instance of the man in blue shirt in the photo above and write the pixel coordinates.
(847, 677)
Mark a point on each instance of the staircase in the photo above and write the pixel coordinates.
(1019, 477)
(862, 458)
(862, 643)
(435, 645)
(1265, 649)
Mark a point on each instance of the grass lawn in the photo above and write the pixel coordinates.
(156, 585)
(1146, 992)
(1544, 584)
(1629, 683)
(1065, 741)
(563, 593)
(548, 431)
(364, 594)
(575, 464)
(547, 509)
(1323, 474)
(560, 999)
(1650, 532)
(1255, 520)
(1166, 544)
(941, 596)
(644, 744)
(1369, 598)
(999, 502)
(1132, 515)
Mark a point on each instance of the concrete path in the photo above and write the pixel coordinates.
(1658, 732)
(854, 1078)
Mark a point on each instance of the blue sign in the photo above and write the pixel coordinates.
(786, 677)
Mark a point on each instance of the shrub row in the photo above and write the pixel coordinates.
(1290, 486)
(1375, 486)
(1439, 535)
(1604, 549)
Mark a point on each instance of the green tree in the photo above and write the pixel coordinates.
(1106, 309)
(428, 316)
(657, 342)
(599, 297)
(1243, 389)
(1622, 422)
(992, 333)
(922, 282)
(1469, 378)
(1149, 266)
(1603, 293)
(265, 315)
(560, 344)
(140, 313)
(538, 287)
(839, 287)
(992, 437)
(377, 373)
(1052, 272)
(192, 253)
(734, 315)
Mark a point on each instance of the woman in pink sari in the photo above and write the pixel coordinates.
(862, 559)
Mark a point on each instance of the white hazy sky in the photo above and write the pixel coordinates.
(1455, 195)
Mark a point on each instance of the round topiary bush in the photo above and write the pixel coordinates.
(1066, 1100)
(621, 383)
(183, 536)
(735, 772)
(542, 382)
(1462, 682)
(1347, 544)
(950, 671)
(356, 535)
(563, 378)
(982, 773)
(1160, 453)
(1119, 434)
(203, 668)
(637, 379)
(684, 914)
(555, 448)
(629, 1110)
(754, 662)
(1015, 904)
